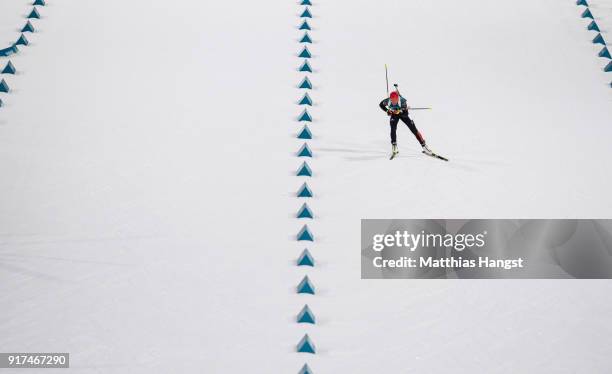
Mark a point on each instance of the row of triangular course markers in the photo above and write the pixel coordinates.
(306, 315)
(8, 67)
(599, 39)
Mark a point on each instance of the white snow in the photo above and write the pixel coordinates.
(147, 183)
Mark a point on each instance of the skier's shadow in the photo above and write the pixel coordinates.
(355, 154)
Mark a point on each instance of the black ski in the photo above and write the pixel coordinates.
(435, 156)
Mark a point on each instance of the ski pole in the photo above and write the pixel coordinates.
(387, 79)
(421, 108)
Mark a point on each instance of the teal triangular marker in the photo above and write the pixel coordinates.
(304, 151)
(305, 25)
(593, 26)
(306, 315)
(4, 86)
(22, 40)
(306, 100)
(306, 259)
(587, 14)
(39, 2)
(28, 27)
(582, 2)
(306, 84)
(9, 68)
(605, 53)
(306, 286)
(306, 67)
(304, 171)
(599, 40)
(305, 212)
(305, 370)
(305, 53)
(8, 51)
(305, 117)
(34, 13)
(305, 345)
(306, 13)
(305, 133)
(608, 67)
(305, 235)
(306, 2)
(306, 38)
(304, 191)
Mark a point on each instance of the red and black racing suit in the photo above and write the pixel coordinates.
(402, 113)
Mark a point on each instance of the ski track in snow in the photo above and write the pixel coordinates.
(144, 148)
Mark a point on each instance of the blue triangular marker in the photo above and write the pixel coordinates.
(28, 27)
(305, 212)
(582, 2)
(305, 26)
(599, 40)
(304, 171)
(306, 84)
(608, 68)
(305, 117)
(605, 53)
(305, 53)
(306, 100)
(305, 133)
(304, 151)
(306, 67)
(306, 13)
(306, 286)
(306, 259)
(39, 2)
(4, 87)
(306, 38)
(593, 26)
(9, 68)
(22, 40)
(304, 191)
(34, 14)
(8, 51)
(305, 345)
(305, 370)
(587, 14)
(306, 315)
(305, 235)
(306, 2)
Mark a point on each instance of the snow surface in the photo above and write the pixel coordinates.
(147, 155)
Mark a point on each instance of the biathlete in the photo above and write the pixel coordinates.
(396, 108)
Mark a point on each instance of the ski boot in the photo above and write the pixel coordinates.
(426, 150)
(394, 151)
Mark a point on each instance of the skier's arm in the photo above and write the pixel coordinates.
(383, 105)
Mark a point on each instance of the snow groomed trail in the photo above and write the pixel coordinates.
(143, 217)
(521, 106)
(151, 211)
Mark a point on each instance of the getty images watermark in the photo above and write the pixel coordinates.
(457, 242)
(486, 249)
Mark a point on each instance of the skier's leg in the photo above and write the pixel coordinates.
(410, 123)
(393, 122)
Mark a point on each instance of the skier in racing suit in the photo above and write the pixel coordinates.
(396, 108)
